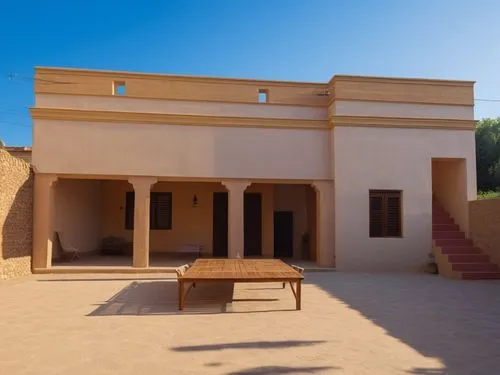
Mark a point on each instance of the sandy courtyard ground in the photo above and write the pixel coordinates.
(350, 324)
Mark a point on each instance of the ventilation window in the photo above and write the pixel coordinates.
(119, 88)
(385, 213)
(263, 96)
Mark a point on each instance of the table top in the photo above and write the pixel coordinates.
(241, 269)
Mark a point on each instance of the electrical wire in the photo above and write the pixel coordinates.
(487, 100)
(28, 78)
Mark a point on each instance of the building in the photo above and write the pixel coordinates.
(342, 173)
(21, 152)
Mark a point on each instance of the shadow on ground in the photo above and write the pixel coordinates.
(262, 345)
(247, 345)
(270, 370)
(455, 321)
(76, 279)
(161, 298)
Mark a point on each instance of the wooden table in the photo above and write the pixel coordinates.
(240, 271)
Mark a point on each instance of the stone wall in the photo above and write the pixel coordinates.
(484, 218)
(16, 216)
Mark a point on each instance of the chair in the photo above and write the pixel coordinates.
(180, 271)
(298, 269)
(68, 253)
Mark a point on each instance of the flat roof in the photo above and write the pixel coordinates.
(83, 71)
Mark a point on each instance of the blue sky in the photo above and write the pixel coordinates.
(308, 40)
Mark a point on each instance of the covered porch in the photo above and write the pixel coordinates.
(149, 223)
(158, 263)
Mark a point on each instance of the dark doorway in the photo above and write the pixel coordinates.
(283, 234)
(220, 222)
(253, 224)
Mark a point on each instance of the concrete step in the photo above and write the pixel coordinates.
(474, 267)
(444, 227)
(442, 220)
(453, 242)
(460, 250)
(481, 275)
(440, 214)
(468, 258)
(447, 234)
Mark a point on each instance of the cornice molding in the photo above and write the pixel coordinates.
(333, 100)
(399, 80)
(401, 122)
(220, 121)
(173, 119)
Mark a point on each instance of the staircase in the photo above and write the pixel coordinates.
(455, 255)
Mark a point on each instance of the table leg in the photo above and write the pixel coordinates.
(284, 285)
(298, 295)
(181, 294)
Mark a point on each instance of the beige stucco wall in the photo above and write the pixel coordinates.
(400, 159)
(180, 151)
(180, 107)
(449, 184)
(485, 226)
(190, 225)
(433, 111)
(16, 216)
(77, 213)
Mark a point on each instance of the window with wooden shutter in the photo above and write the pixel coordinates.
(160, 210)
(385, 213)
(129, 210)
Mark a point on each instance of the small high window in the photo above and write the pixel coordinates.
(263, 96)
(385, 213)
(119, 88)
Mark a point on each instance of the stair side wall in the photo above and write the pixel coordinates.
(484, 218)
(450, 186)
(444, 266)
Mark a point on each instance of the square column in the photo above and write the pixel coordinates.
(142, 199)
(325, 223)
(236, 238)
(43, 219)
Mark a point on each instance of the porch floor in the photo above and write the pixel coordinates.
(157, 263)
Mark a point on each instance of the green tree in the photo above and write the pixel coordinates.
(488, 154)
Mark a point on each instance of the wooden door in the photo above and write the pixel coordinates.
(253, 224)
(220, 225)
(283, 234)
